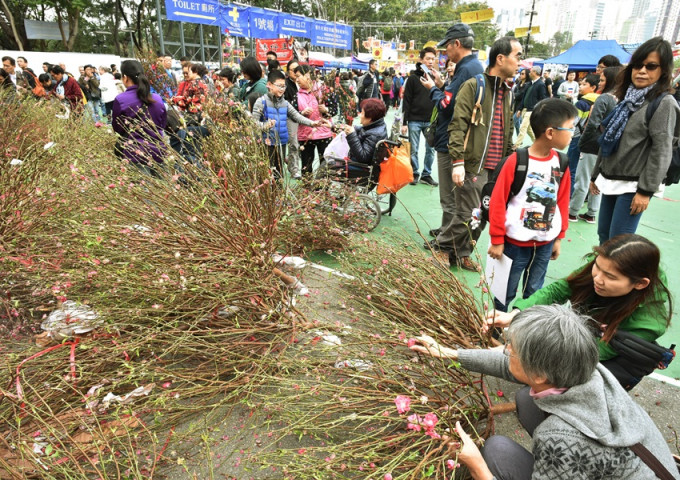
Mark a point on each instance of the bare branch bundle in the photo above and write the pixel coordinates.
(346, 380)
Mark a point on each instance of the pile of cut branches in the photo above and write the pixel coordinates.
(191, 314)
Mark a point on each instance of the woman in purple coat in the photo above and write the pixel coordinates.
(139, 118)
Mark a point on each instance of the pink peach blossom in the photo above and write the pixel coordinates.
(403, 403)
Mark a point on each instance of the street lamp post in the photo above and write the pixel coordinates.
(531, 20)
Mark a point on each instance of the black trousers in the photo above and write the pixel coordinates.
(307, 149)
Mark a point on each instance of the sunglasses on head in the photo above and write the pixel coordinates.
(650, 67)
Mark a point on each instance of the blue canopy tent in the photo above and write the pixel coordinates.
(585, 54)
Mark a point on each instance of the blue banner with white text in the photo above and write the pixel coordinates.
(295, 25)
(264, 24)
(206, 12)
(234, 20)
(245, 21)
(329, 34)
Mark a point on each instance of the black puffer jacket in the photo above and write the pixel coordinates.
(362, 142)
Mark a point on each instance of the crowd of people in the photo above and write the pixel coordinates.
(619, 126)
(294, 105)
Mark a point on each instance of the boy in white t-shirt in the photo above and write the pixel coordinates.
(528, 227)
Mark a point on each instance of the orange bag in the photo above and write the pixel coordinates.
(395, 172)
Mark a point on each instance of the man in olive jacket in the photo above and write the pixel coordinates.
(478, 145)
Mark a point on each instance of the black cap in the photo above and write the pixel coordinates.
(459, 30)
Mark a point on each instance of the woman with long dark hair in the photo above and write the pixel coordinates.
(139, 118)
(621, 287)
(589, 148)
(635, 152)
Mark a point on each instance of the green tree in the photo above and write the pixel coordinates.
(537, 49)
(560, 42)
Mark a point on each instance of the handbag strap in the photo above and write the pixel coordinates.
(652, 462)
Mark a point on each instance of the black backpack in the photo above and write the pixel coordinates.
(518, 182)
(361, 88)
(387, 83)
(673, 172)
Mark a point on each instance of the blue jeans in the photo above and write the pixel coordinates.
(530, 263)
(188, 142)
(615, 217)
(574, 152)
(517, 121)
(582, 185)
(414, 129)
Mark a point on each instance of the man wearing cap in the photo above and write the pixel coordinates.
(477, 145)
(458, 43)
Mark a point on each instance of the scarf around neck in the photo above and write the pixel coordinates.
(615, 123)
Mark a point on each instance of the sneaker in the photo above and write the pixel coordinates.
(429, 180)
(466, 263)
(434, 232)
(573, 218)
(586, 217)
(416, 177)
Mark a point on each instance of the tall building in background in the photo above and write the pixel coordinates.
(627, 21)
(641, 24)
(668, 24)
(507, 19)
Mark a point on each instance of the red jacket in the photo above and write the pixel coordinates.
(539, 213)
(73, 93)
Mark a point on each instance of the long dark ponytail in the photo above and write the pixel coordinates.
(134, 71)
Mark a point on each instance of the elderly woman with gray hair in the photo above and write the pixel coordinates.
(583, 423)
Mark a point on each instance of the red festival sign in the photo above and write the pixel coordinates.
(282, 46)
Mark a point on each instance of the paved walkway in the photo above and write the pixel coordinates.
(660, 223)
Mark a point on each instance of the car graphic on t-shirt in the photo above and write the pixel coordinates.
(543, 193)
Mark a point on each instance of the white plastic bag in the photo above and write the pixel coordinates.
(338, 148)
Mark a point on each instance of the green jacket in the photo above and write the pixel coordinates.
(646, 321)
(478, 142)
(250, 92)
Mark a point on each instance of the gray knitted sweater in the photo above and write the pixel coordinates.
(589, 429)
(645, 151)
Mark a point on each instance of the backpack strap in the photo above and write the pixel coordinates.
(479, 98)
(564, 161)
(521, 167)
(651, 461)
(653, 105)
